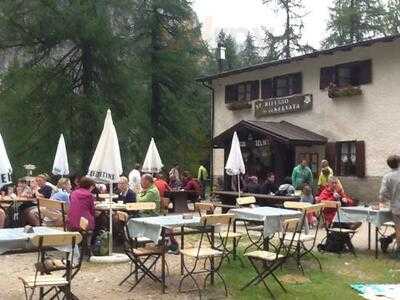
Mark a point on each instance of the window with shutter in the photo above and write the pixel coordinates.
(231, 93)
(297, 84)
(350, 158)
(365, 72)
(331, 153)
(327, 75)
(255, 90)
(267, 90)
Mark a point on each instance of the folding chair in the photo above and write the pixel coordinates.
(336, 227)
(140, 256)
(304, 242)
(55, 205)
(59, 283)
(250, 227)
(273, 260)
(204, 252)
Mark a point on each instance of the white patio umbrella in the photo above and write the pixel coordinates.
(152, 162)
(60, 165)
(106, 165)
(235, 164)
(5, 165)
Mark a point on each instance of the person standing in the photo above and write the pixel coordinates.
(134, 179)
(202, 177)
(390, 191)
(302, 174)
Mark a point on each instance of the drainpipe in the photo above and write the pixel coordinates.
(205, 84)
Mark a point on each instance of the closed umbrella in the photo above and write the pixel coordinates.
(5, 165)
(106, 165)
(60, 165)
(152, 162)
(235, 164)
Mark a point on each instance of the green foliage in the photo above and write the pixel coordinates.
(232, 60)
(353, 21)
(71, 60)
(250, 54)
(288, 43)
(392, 17)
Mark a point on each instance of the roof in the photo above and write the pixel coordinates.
(349, 47)
(283, 131)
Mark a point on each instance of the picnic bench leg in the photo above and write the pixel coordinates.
(163, 260)
(369, 236)
(376, 241)
(182, 247)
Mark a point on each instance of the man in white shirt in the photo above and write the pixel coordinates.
(134, 179)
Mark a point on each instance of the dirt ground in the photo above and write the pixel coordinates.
(100, 281)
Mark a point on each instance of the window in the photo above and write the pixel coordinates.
(349, 74)
(281, 86)
(244, 91)
(347, 158)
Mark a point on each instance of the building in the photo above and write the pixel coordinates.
(341, 104)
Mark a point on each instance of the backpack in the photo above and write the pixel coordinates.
(100, 247)
(335, 242)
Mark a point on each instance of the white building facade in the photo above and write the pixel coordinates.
(350, 95)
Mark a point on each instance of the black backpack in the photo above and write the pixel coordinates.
(335, 242)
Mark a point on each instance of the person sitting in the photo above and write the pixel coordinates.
(306, 195)
(269, 186)
(81, 205)
(149, 191)
(286, 189)
(125, 195)
(252, 186)
(191, 184)
(53, 217)
(162, 187)
(23, 189)
(64, 190)
(333, 192)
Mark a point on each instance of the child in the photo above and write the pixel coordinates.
(308, 197)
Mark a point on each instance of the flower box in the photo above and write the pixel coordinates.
(238, 105)
(348, 91)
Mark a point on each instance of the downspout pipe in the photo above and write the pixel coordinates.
(207, 85)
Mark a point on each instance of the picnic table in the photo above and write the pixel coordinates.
(180, 199)
(14, 240)
(270, 217)
(9, 199)
(154, 227)
(366, 214)
(228, 199)
(104, 207)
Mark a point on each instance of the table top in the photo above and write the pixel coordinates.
(258, 196)
(105, 206)
(16, 199)
(168, 221)
(180, 192)
(365, 209)
(265, 211)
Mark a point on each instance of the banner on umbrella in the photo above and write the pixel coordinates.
(103, 176)
(5, 179)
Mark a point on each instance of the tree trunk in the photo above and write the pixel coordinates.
(352, 23)
(287, 31)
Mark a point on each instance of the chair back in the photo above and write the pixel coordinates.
(244, 201)
(52, 240)
(332, 205)
(292, 226)
(217, 219)
(140, 206)
(54, 205)
(204, 208)
(296, 205)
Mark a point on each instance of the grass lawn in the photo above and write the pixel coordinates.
(332, 283)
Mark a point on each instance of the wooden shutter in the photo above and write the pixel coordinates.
(364, 70)
(297, 83)
(327, 75)
(255, 90)
(331, 155)
(360, 159)
(267, 90)
(231, 93)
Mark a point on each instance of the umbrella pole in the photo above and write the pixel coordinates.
(238, 180)
(110, 237)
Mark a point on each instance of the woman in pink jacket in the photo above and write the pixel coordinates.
(81, 205)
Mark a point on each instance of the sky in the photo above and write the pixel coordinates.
(239, 16)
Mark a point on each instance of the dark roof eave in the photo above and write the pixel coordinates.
(314, 54)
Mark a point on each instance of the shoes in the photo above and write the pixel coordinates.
(385, 242)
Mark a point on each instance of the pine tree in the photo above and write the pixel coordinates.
(250, 53)
(353, 21)
(232, 60)
(392, 17)
(288, 43)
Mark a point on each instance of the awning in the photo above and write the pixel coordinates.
(283, 132)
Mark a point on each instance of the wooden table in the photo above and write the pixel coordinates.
(8, 199)
(180, 200)
(229, 199)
